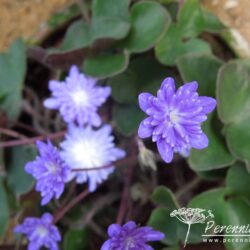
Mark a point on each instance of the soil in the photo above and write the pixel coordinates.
(26, 18)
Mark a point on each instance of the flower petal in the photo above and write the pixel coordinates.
(144, 131)
(165, 151)
(144, 102)
(114, 230)
(208, 104)
(199, 142)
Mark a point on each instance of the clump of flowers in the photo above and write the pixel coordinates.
(130, 236)
(41, 232)
(77, 98)
(49, 170)
(175, 117)
(85, 148)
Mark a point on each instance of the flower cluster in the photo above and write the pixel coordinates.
(130, 236)
(174, 118)
(40, 232)
(87, 154)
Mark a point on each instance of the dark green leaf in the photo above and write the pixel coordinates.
(18, 180)
(160, 220)
(76, 240)
(124, 87)
(216, 155)
(12, 73)
(149, 22)
(164, 197)
(105, 65)
(238, 180)
(127, 118)
(204, 199)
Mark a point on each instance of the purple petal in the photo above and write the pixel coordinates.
(129, 226)
(208, 104)
(191, 86)
(144, 102)
(51, 103)
(114, 230)
(199, 142)
(106, 245)
(144, 131)
(154, 236)
(165, 151)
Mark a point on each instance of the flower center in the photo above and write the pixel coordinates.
(42, 231)
(87, 154)
(80, 98)
(51, 167)
(129, 243)
(174, 118)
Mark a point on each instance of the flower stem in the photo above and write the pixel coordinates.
(186, 239)
(75, 201)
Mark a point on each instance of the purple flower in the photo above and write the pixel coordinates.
(40, 232)
(85, 148)
(49, 171)
(77, 98)
(130, 236)
(175, 118)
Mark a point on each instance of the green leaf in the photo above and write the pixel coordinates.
(124, 87)
(191, 19)
(236, 213)
(77, 36)
(160, 220)
(202, 68)
(164, 197)
(127, 85)
(64, 16)
(127, 118)
(4, 208)
(110, 20)
(171, 46)
(76, 239)
(149, 21)
(18, 180)
(103, 66)
(12, 73)
(216, 155)
(204, 199)
(233, 87)
(213, 175)
(212, 23)
(238, 180)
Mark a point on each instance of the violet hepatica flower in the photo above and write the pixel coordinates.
(175, 117)
(49, 171)
(77, 98)
(40, 232)
(131, 237)
(86, 148)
